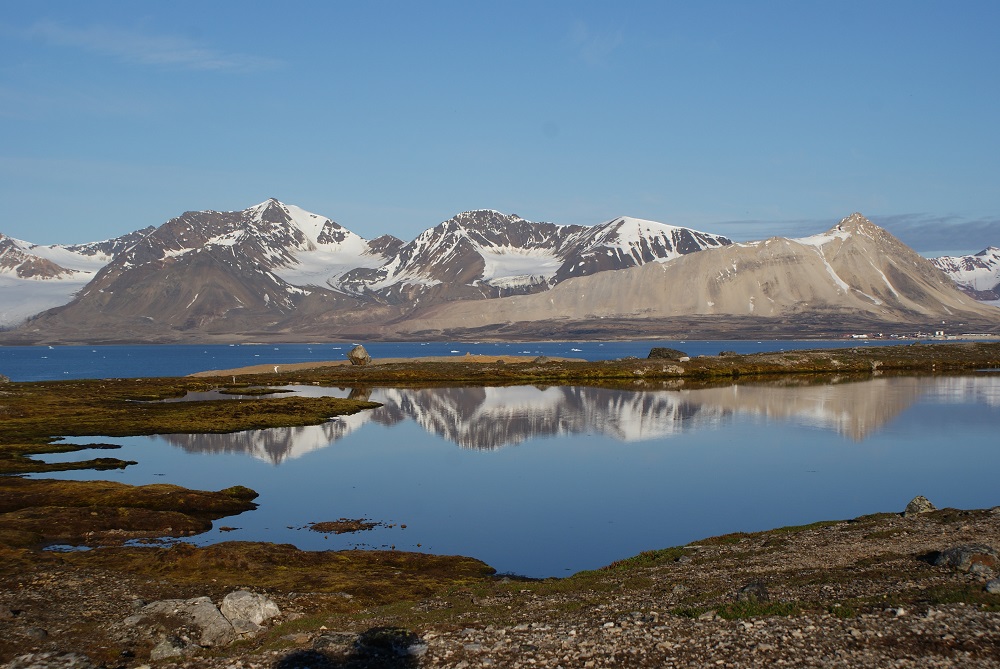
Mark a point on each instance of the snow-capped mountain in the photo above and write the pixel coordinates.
(265, 266)
(275, 270)
(978, 275)
(34, 278)
(492, 254)
(855, 268)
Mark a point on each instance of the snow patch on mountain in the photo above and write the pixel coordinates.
(980, 272)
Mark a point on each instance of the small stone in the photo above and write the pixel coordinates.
(993, 587)
(51, 660)
(979, 569)
(753, 592)
(918, 504)
(359, 356)
(37, 633)
(169, 647)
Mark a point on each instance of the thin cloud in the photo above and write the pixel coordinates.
(929, 235)
(165, 51)
(594, 48)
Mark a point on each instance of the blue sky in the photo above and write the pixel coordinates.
(745, 118)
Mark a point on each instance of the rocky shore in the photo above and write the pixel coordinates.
(911, 589)
(889, 590)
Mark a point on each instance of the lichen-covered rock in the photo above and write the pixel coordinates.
(663, 353)
(993, 587)
(918, 504)
(4, 379)
(169, 647)
(963, 558)
(51, 660)
(199, 615)
(753, 592)
(359, 356)
(250, 606)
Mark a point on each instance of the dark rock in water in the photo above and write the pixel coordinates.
(918, 504)
(753, 592)
(663, 353)
(964, 558)
(727, 354)
(359, 356)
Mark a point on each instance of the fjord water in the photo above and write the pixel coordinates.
(549, 481)
(53, 363)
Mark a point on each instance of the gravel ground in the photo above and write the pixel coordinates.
(862, 593)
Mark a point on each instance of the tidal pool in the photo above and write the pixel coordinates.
(547, 481)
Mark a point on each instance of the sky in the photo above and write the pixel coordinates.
(741, 118)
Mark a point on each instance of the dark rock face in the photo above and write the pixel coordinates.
(359, 356)
(664, 353)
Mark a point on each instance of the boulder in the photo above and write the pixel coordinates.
(663, 353)
(359, 356)
(199, 615)
(4, 379)
(993, 587)
(918, 504)
(972, 557)
(250, 606)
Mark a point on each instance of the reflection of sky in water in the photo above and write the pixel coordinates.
(605, 474)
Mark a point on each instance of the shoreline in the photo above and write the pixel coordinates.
(857, 592)
(824, 593)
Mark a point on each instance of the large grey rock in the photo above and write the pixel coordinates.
(199, 614)
(993, 587)
(918, 504)
(359, 356)
(244, 605)
(965, 558)
(4, 379)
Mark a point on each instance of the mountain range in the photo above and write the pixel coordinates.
(277, 272)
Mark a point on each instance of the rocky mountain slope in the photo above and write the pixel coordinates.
(276, 270)
(277, 267)
(855, 267)
(34, 278)
(978, 275)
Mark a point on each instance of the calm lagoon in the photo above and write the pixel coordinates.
(550, 481)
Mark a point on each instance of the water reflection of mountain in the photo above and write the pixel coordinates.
(491, 418)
